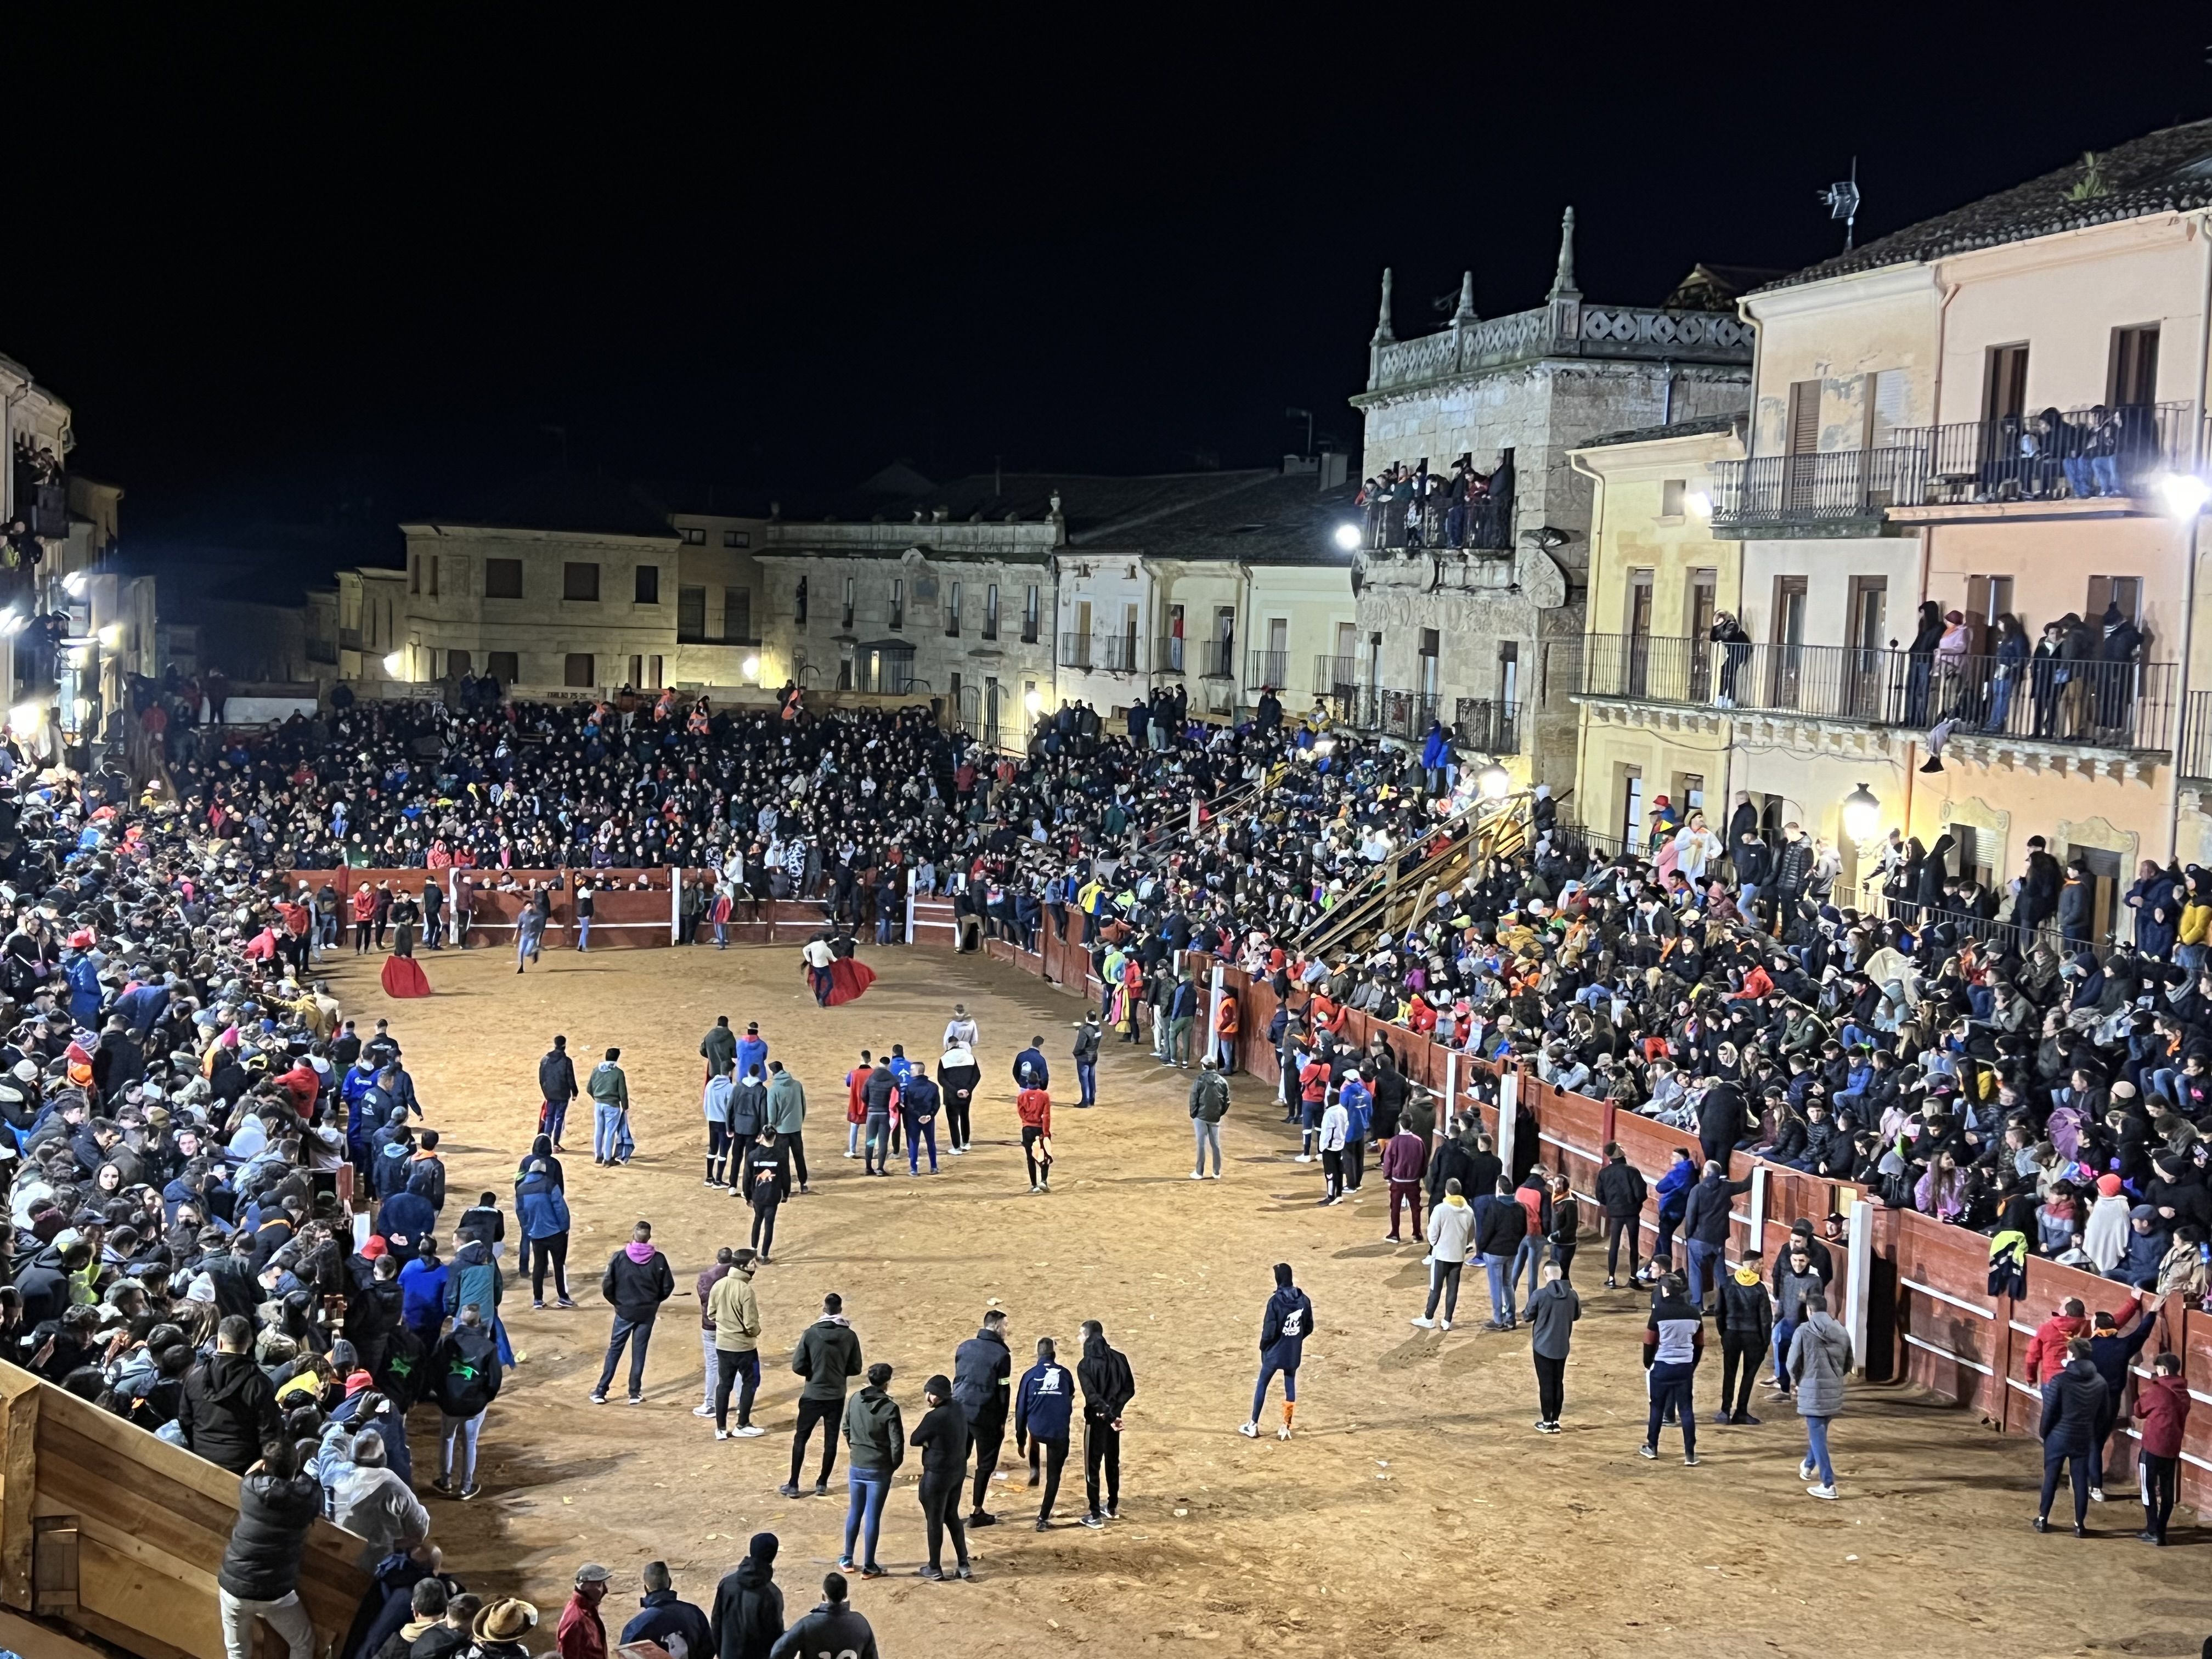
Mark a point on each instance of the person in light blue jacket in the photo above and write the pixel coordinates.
(543, 1210)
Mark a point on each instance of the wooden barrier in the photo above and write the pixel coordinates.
(110, 1532)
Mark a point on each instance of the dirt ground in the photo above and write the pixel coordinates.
(1416, 1507)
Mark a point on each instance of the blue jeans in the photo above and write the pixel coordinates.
(1086, 1080)
(555, 1119)
(636, 1335)
(866, 1490)
(884, 926)
(583, 932)
(1531, 1252)
(722, 934)
(1206, 1135)
(1697, 1255)
(1816, 1449)
(1784, 1330)
(1268, 1374)
(1501, 1287)
(2000, 702)
(609, 1132)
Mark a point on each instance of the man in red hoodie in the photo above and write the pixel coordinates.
(2162, 1416)
(1035, 1108)
(2047, 1349)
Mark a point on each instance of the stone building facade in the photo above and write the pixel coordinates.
(1484, 636)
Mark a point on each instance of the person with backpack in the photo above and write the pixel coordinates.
(465, 1379)
(1209, 1104)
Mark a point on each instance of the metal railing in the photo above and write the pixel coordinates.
(1832, 488)
(1218, 660)
(2193, 756)
(2113, 705)
(2051, 454)
(1483, 525)
(1032, 631)
(1268, 668)
(1406, 714)
(1490, 725)
(1334, 676)
(1170, 654)
(1075, 650)
(1120, 654)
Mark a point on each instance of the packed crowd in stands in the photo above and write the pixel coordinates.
(179, 1098)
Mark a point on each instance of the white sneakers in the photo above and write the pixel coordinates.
(1422, 1324)
(748, 1432)
(1828, 1492)
(1303, 1158)
(702, 1410)
(1196, 1176)
(1249, 1431)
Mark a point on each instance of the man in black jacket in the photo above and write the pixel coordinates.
(828, 1356)
(832, 1627)
(227, 1410)
(638, 1279)
(277, 1501)
(1720, 1123)
(557, 1087)
(662, 1614)
(1705, 1226)
(1745, 1319)
(748, 1605)
(1501, 1221)
(942, 1438)
(1621, 1193)
(982, 1373)
(1108, 1386)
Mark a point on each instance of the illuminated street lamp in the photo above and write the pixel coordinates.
(1032, 700)
(1699, 503)
(751, 666)
(1347, 537)
(2184, 493)
(393, 662)
(1861, 815)
(1493, 780)
(75, 583)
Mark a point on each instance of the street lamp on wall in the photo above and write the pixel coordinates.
(1861, 815)
(1493, 780)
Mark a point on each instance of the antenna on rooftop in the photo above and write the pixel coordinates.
(1842, 200)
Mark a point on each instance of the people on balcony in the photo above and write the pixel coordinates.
(1728, 634)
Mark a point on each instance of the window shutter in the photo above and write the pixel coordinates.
(2100, 595)
(1804, 417)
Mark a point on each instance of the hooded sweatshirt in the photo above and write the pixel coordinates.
(473, 1277)
(1451, 1229)
(638, 1279)
(748, 1606)
(875, 1435)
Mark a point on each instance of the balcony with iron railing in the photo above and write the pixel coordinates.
(1333, 675)
(1217, 659)
(1120, 654)
(2193, 756)
(1429, 520)
(2051, 454)
(1839, 493)
(2087, 704)
(1490, 725)
(1267, 669)
(1075, 650)
(1386, 712)
(1170, 654)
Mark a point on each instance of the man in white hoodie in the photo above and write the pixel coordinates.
(960, 1030)
(2105, 1238)
(373, 1503)
(1451, 1229)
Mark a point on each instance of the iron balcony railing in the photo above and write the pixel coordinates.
(1171, 655)
(1406, 714)
(1218, 660)
(2114, 705)
(1424, 518)
(1490, 725)
(1831, 490)
(1334, 676)
(2193, 759)
(1269, 669)
(1120, 654)
(2051, 454)
(1075, 650)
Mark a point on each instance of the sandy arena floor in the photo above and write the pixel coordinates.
(1416, 1508)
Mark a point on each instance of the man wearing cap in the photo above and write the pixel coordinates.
(581, 1633)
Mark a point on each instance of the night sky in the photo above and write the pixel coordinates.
(349, 276)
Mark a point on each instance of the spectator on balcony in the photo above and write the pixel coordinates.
(1952, 647)
(1920, 662)
(2009, 661)
(2118, 647)
(2093, 461)
(1735, 651)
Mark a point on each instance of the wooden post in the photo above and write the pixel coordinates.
(19, 1465)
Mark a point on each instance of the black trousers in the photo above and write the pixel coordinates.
(552, 1250)
(1622, 1230)
(1736, 1394)
(1055, 1460)
(956, 1120)
(718, 1148)
(361, 933)
(1550, 1386)
(794, 1144)
(2077, 1466)
(829, 1414)
(940, 1510)
(1101, 1450)
(730, 1365)
(1355, 1153)
(764, 1230)
(989, 1433)
(1040, 1164)
(2161, 1482)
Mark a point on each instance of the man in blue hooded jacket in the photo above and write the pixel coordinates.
(1284, 1328)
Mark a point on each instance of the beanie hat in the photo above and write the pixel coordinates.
(2109, 1185)
(764, 1547)
(939, 1386)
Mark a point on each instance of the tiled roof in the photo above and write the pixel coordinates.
(1644, 435)
(2169, 171)
(1276, 519)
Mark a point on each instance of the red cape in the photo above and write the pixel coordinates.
(404, 977)
(848, 977)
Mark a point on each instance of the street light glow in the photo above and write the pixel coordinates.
(74, 582)
(1032, 700)
(393, 662)
(111, 636)
(27, 717)
(1347, 537)
(1701, 504)
(1861, 815)
(751, 666)
(1493, 780)
(2184, 493)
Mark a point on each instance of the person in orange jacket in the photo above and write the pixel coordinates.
(1227, 1019)
(856, 1104)
(1035, 1106)
(2047, 1349)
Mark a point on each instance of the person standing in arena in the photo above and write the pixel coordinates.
(879, 1097)
(856, 1102)
(1044, 1406)
(961, 1030)
(828, 1356)
(1746, 1323)
(557, 1087)
(721, 1089)
(957, 1074)
(1086, 1060)
(703, 1288)
(638, 1281)
(735, 1311)
(983, 1370)
(787, 1115)
(1284, 1328)
(1673, 1342)
(1109, 1385)
(1551, 1313)
(1620, 1195)
(941, 1436)
(1034, 1107)
(610, 1092)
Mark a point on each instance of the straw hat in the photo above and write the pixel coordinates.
(505, 1620)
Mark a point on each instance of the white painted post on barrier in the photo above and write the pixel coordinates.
(452, 919)
(909, 915)
(1213, 1013)
(1448, 1108)
(1756, 1239)
(675, 904)
(1858, 1285)
(1509, 1110)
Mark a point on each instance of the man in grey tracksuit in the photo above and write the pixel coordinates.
(787, 1115)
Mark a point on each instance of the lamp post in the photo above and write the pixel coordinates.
(1493, 780)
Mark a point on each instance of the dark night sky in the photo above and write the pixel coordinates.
(356, 273)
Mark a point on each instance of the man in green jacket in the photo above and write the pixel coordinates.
(787, 1115)
(876, 1436)
(610, 1092)
(828, 1354)
(719, 1047)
